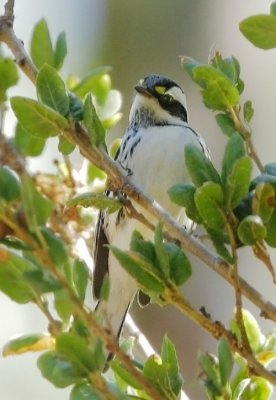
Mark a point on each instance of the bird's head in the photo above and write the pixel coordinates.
(158, 101)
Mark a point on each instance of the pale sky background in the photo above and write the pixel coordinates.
(139, 37)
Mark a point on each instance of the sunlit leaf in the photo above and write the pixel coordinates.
(209, 201)
(41, 45)
(200, 168)
(27, 343)
(28, 144)
(38, 119)
(226, 361)
(58, 370)
(9, 76)
(60, 50)
(97, 200)
(92, 123)
(251, 230)
(260, 30)
(140, 269)
(37, 207)
(51, 90)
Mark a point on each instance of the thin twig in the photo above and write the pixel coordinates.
(16, 46)
(246, 135)
(238, 293)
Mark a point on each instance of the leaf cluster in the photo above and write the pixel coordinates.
(228, 376)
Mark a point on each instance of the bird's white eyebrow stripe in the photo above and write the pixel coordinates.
(177, 93)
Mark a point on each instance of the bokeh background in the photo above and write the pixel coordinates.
(136, 38)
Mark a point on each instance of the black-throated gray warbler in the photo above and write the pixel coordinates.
(152, 153)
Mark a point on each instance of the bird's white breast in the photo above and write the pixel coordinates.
(157, 161)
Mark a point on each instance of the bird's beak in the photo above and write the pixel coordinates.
(142, 90)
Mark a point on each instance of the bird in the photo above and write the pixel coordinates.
(152, 155)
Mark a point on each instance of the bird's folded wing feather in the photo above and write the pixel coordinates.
(100, 256)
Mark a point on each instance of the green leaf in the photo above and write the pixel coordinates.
(94, 172)
(251, 230)
(271, 230)
(51, 90)
(41, 45)
(238, 182)
(37, 208)
(12, 268)
(170, 361)
(226, 361)
(260, 30)
(273, 8)
(183, 195)
(80, 277)
(101, 88)
(97, 200)
(234, 151)
(253, 331)
(262, 202)
(40, 280)
(90, 83)
(248, 111)
(228, 66)
(255, 388)
(218, 93)
(64, 146)
(9, 185)
(200, 168)
(188, 64)
(60, 50)
(75, 348)
(9, 76)
(40, 120)
(27, 343)
(56, 248)
(180, 266)
(226, 124)
(220, 241)
(92, 123)
(209, 364)
(144, 248)
(163, 375)
(209, 201)
(63, 305)
(161, 254)
(58, 370)
(140, 269)
(84, 391)
(123, 372)
(29, 145)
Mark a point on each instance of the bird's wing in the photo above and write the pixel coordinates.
(100, 256)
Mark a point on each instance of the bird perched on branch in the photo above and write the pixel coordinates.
(152, 154)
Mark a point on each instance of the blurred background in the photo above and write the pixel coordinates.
(137, 38)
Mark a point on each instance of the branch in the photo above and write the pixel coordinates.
(77, 135)
(16, 46)
(217, 330)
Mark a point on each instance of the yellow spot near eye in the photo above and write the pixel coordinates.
(160, 89)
